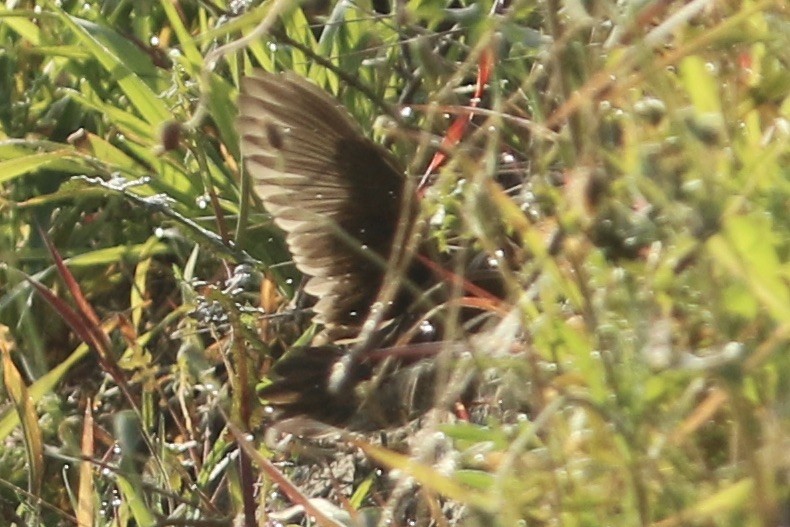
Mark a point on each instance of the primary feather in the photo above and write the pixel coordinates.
(336, 194)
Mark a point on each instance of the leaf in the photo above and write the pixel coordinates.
(127, 123)
(139, 291)
(106, 153)
(136, 502)
(25, 28)
(223, 110)
(86, 500)
(362, 491)
(25, 409)
(188, 46)
(298, 28)
(747, 250)
(426, 476)
(700, 84)
(72, 52)
(477, 479)
(473, 433)
(120, 61)
(45, 385)
(732, 497)
(13, 168)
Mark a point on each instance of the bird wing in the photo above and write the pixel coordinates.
(336, 194)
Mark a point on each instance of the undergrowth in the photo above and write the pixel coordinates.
(624, 165)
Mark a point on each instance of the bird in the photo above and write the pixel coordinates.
(342, 201)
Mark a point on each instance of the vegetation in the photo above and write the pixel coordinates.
(627, 167)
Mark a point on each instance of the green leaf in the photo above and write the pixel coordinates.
(13, 168)
(298, 28)
(472, 434)
(136, 502)
(123, 62)
(188, 46)
(476, 479)
(20, 23)
(747, 250)
(701, 85)
(222, 101)
(127, 123)
(427, 476)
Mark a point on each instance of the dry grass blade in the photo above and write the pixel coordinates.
(86, 503)
(28, 416)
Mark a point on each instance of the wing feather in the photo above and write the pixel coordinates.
(336, 194)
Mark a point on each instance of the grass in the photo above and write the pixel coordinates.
(627, 164)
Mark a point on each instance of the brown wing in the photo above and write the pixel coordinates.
(335, 193)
